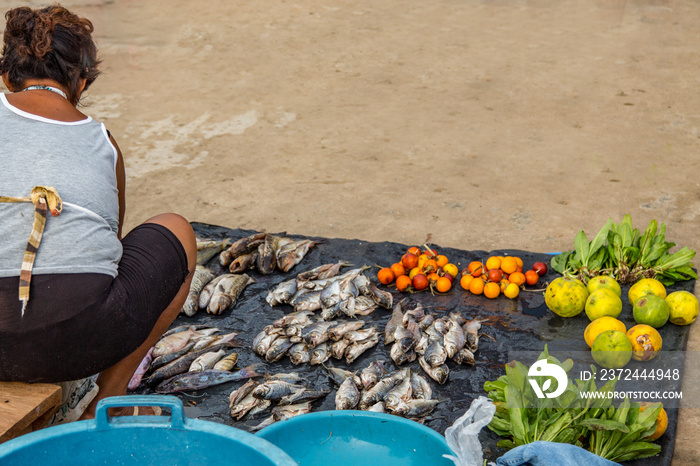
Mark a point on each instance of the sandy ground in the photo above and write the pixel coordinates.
(472, 124)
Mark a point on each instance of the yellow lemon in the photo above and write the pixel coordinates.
(603, 281)
(646, 342)
(603, 302)
(684, 307)
(600, 325)
(566, 296)
(646, 286)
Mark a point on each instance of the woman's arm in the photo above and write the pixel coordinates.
(121, 185)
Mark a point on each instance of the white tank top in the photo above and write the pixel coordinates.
(78, 160)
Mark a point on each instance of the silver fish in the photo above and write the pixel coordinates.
(202, 276)
(338, 348)
(291, 377)
(206, 361)
(177, 341)
(457, 318)
(415, 314)
(200, 380)
(308, 302)
(317, 333)
(399, 356)
(226, 363)
(321, 272)
(471, 331)
(348, 395)
(245, 245)
(393, 323)
(263, 341)
(440, 325)
(282, 293)
(436, 354)
(371, 374)
(206, 249)
(339, 375)
(243, 262)
(295, 318)
(415, 408)
(266, 261)
(377, 392)
(330, 313)
(454, 338)
(320, 354)
(227, 292)
(377, 407)
(145, 364)
(401, 392)
(241, 392)
(426, 321)
(259, 407)
(278, 349)
(170, 357)
(211, 340)
(464, 356)
(422, 344)
(180, 365)
(336, 332)
(241, 408)
(208, 290)
(438, 374)
(301, 396)
(291, 254)
(421, 387)
(275, 389)
(355, 336)
(404, 338)
(381, 297)
(364, 306)
(362, 283)
(356, 349)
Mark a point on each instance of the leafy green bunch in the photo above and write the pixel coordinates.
(626, 254)
(592, 422)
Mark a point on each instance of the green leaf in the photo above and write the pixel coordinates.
(506, 444)
(559, 262)
(582, 247)
(599, 239)
(603, 424)
(637, 450)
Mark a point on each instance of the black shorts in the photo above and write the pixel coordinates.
(77, 325)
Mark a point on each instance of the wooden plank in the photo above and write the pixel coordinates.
(25, 407)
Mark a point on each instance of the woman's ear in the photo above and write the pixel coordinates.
(6, 80)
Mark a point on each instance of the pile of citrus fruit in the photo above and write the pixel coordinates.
(500, 274)
(419, 270)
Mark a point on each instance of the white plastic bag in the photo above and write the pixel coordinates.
(463, 436)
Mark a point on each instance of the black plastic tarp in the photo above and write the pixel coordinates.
(522, 324)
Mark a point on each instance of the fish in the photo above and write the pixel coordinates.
(206, 249)
(426, 321)
(227, 292)
(310, 301)
(208, 290)
(292, 253)
(457, 318)
(401, 392)
(266, 260)
(454, 338)
(145, 364)
(282, 293)
(263, 341)
(200, 380)
(321, 272)
(244, 262)
(371, 374)
(281, 413)
(399, 356)
(439, 373)
(464, 356)
(278, 349)
(211, 340)
(226, 363)
(245, 245)
(338, 348)
(301, 396)
(377, 407)
(362, 283)
(180, 365)
(377, 392)
(383, 298)
(355, 336)
(415, 314)
(206, 361)
(170, 357)
(317, 333)
(241, 392)
(330, 313)
(422, 344)
(243, 407)
(300, 317)
(201, 277)
(320, 354)
(436, 354)
(291, 377)
(471, 331)
(415, 408)
(354, 351)
(259, 407)
(275, 389)
(363, 306)
(421, 387)
(338, 291)
(177, 341)
(339, 375)
(348, 395)
(337, 331)
(404, 338)
(394, 322)
(299, 354)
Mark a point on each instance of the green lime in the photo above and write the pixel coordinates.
(646, 286)
(566, 296)
(612, 349)
(684, 307)
(603, 302)
(603, 281)
(651, 310)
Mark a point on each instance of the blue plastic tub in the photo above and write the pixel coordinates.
(142, 440)
(357, 438)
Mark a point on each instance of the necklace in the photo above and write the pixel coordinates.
(46, 88)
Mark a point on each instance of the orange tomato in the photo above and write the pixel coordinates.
(403, 282)
(476, 286)
(443, 284)
(420, 282)
(415, 250)
(495, 275)
(430, 266)
(431, 253)
(422, 260)
(509, 264)
(493, 262)
(433, 277)
(503, 284)
(517, 277)
(519, 261)
(398, 269)
(476, 268)
(414, 271)
(465, 281)
(409, 260)
(531, 277)
(451, 269)
(385, 276)
(492, 290)
(512, 291)
(441, 260)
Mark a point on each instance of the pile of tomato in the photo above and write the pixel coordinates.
(420, 269)
(500, 274)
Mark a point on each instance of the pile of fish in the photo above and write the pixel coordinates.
(321, 288)
(265, 253)
(190, 358)
(416, 334)
(401, 392)
(306, 340)
(216, 294)
(283, 393)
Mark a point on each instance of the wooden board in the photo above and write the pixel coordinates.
(26, 407)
